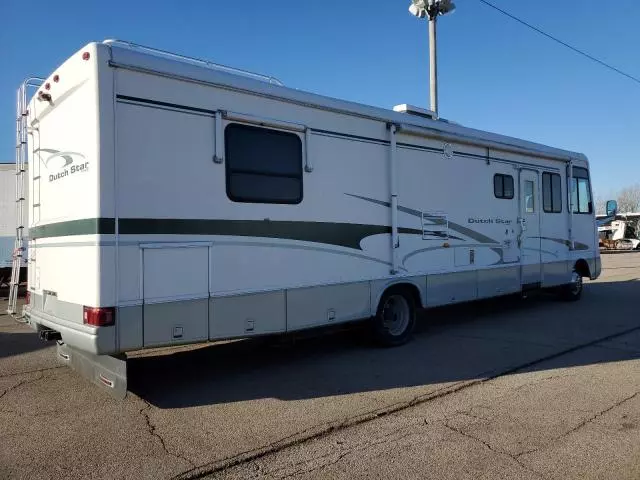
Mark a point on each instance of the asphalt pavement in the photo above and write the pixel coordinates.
(507, 388)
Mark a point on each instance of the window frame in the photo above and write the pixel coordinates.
(583, 176)
(230, 170)
(503, 177)
(550, 175)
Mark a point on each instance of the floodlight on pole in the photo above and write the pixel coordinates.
(432, 9)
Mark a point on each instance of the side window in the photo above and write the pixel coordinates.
(503, 186)
(551, 192)
(529, 196)
(263, 165)
(581, 191)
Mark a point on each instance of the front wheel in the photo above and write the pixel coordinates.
(395, 318)
(572, 292)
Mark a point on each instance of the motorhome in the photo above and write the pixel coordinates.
(178, 201)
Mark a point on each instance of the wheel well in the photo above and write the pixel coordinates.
(582, 268)
(410, 288)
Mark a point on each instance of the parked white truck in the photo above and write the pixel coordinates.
(621, 233)
(177, 201)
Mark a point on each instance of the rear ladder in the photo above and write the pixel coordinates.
(22, 130)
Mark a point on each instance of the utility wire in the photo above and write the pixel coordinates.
(557, 40)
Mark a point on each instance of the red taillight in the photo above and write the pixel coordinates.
(99, 316)
(56, 78)
(27, 298)
(86, 56)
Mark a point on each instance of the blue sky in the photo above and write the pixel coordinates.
(494, 74)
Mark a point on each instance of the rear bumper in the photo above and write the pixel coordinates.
(96, 340)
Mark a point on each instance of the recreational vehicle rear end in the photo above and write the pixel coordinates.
(177, 201)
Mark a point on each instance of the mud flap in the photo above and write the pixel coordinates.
(106, 371)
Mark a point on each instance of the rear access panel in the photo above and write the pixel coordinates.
(176, 293)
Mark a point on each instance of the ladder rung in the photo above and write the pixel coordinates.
(37, 177)
(21, 199)
(36, 204)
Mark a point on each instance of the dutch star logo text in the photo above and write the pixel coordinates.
(63, 164)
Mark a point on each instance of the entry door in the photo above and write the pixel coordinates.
(530, 254)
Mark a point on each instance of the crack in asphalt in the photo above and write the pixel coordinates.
(323, 430)
(580, 425)
(151, 428)
(471, 415)
(7, 375)
(315, 432)
(19, 384)
(541, 380)
(392, 436)
(491, 448)
(599, 414)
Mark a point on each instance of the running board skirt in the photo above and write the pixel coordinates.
(106, 371)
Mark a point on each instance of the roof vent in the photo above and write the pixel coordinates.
(413, 110)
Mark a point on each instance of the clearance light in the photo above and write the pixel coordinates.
(86, 56)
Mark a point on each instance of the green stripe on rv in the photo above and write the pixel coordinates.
(85, 226)
(340, 234)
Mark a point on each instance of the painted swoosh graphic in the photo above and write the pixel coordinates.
(477, 236)
(67, 156)
(566, 243)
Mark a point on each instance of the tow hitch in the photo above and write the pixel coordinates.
(49, 335)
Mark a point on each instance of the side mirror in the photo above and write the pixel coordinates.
(612, 208)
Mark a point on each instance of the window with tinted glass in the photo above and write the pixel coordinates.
(263, 165)
(503, 186)
(581, 191)
(551, 192)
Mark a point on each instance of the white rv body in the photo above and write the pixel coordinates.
(131, 210)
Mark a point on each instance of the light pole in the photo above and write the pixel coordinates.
(432, 9)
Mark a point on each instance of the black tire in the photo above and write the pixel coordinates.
(572, 292)
(395, 318)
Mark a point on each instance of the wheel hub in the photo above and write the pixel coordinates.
(396, 314)
(576, 282)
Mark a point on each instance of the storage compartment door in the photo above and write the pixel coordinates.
(176, 294)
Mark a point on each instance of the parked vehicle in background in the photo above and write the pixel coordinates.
(623, 233)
